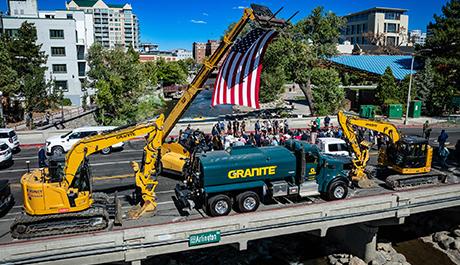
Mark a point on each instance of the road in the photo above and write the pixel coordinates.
(113, 173)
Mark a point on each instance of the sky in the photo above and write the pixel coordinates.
(178, 23)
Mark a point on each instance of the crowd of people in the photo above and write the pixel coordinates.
(274, 132)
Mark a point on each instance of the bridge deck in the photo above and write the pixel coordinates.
(139, 242)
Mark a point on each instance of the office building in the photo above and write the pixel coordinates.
(378, 26)
(115, 25)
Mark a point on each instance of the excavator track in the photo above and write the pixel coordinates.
(403, 182)
(27, 226)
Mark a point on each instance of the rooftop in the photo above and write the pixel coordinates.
(392, 9)
(91, 3)
(376, 64)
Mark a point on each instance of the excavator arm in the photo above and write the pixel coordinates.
(361, 149)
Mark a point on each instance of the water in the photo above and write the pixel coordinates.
(418, 252)
(201, 107)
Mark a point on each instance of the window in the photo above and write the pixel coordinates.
(391, 41)
(61, 85)
(81, 68)
(69, 16)
(59, 68)
(392, 15)
(57, 51)
(56, 34)
(11, 32)
(79, 135)
(352, 29)
(391, 27)
(358, 29)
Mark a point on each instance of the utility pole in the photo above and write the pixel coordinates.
(410, 87)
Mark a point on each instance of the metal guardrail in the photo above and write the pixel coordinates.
(134, 244)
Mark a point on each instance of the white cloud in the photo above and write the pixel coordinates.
(205, 14)
(239, 7)
(198, 21)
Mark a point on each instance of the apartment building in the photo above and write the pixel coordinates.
(115, 25)
(417, 37)
(378, 25)
(202, 50)
(64, 38)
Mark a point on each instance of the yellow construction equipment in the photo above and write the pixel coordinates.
(59, 199)
(408, 158)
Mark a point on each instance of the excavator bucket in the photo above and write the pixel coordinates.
(137, 211)
(266, 18)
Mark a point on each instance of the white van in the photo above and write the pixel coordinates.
(333, 146)
(60, 144)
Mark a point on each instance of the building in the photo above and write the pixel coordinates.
(202, 50)
(417, 37)
(65, 37)
(148, 47)
(115, 25)
(183, 54)
(378, 25)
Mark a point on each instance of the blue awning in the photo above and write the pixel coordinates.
(399, 64)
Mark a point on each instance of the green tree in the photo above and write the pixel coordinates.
(424, 81)
(28, 62)
(8, 76)
(120, 80)
(443, 44)
(314, 38)
(171, 73)
(151, 72)
(387, 89)
(327, 93)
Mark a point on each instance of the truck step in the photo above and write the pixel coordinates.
(309, 188)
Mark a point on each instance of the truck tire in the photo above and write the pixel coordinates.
(337, 190)
(219, 205)
(247, 201)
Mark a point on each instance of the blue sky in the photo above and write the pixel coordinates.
(178, 23)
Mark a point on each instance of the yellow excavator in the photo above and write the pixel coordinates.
(405, 161)
(58, 199)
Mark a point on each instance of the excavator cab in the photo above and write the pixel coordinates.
(411, 154)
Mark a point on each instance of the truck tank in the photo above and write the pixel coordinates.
(245, 163)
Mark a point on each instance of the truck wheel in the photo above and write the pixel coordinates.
(219, 205)
(337, 190)
(247, 201)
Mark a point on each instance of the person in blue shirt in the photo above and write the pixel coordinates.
(442, 138)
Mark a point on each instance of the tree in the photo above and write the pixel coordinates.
(327, 93)
(151, 72)
(119, 79)
(314, 38)
(443, 44)
(387, 89)
(171, 73)
(424, 81)
(8, 76)
(28, 62)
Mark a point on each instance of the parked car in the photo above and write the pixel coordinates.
(60, 144)
(6, 155)
(6, 198)
(9, 137)
(333, 146)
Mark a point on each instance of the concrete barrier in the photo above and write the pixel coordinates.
(138, 243)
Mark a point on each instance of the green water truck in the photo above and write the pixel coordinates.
(243, 177)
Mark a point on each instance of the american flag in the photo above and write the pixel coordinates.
(238, 80)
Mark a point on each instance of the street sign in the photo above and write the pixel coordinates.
(204, 238)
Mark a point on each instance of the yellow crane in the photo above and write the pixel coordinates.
(408, 158)
(59, 199)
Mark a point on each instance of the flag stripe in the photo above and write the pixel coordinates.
(238, 80)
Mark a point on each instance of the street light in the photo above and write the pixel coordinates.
(410, 83)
